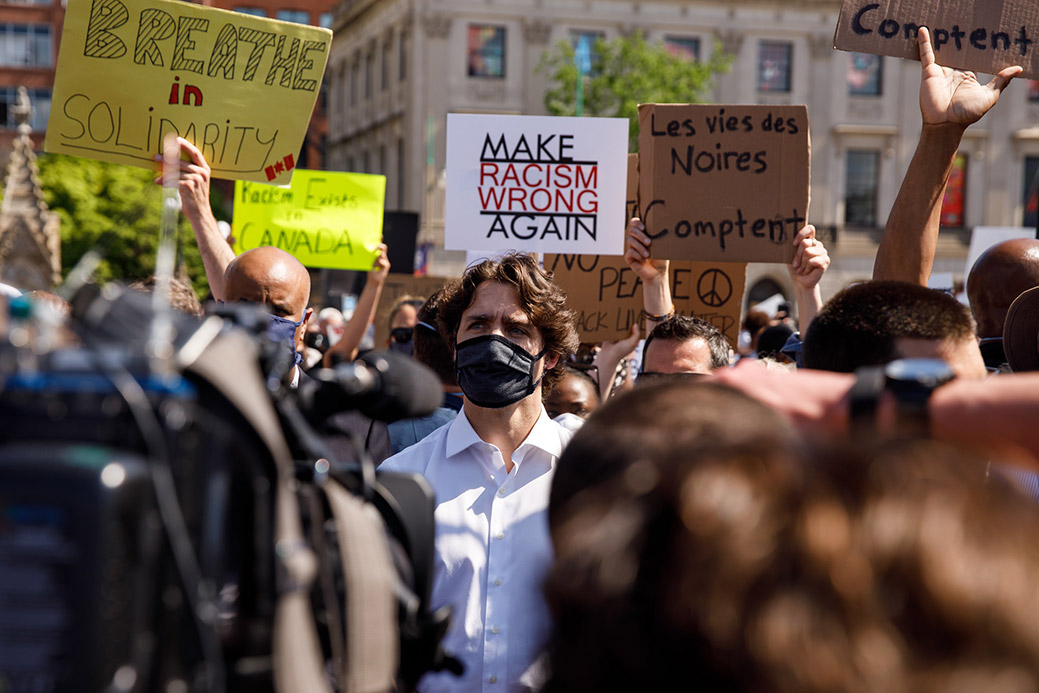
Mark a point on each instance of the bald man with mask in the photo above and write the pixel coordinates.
(273, 278)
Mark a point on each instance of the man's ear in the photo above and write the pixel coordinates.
(550, 361)
(301, 331)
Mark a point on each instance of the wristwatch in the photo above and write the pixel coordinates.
(910, 381)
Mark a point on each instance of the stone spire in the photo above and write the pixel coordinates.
(30, 236)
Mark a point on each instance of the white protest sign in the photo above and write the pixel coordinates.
(536, 183)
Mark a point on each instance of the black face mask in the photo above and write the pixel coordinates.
(494, 373)
(402, 340)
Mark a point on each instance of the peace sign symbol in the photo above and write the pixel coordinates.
(714, 288)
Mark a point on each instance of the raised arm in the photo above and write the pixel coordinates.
(994, 415)
(950, 101)
(811, 261)
(364, 314)
(656, 290)
(194, 199)
(609, 357)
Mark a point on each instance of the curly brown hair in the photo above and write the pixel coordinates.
(539, 297)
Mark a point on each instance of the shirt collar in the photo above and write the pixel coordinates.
(544, 436)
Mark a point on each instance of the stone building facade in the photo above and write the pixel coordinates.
(397, 67)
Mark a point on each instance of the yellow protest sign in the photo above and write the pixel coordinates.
(325, 218)
(241, 88)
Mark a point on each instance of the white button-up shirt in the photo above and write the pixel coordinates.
(492, 550)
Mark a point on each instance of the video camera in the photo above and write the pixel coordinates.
(170, 519)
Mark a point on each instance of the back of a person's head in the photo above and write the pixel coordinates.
(182, 296)
(654, 424)
(431, 348)
(682, 328)
(772, 339)
(897, 569)
(999, 275)
(861, 324)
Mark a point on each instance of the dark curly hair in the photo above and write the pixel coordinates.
(539, 297)
(861, 324)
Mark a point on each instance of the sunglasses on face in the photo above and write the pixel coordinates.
(402, 335)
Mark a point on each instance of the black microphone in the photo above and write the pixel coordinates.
(381, 385)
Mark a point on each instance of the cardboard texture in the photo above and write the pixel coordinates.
(979, 35)
(324, 218)
(607, 295)
(724, 183)
(535, 183)
(396, 287)
(240, 88)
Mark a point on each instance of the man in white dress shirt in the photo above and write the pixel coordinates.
(491, 469)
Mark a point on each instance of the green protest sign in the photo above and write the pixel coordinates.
(325, 218)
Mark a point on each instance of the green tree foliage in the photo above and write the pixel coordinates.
(117, 210)
(626, 71)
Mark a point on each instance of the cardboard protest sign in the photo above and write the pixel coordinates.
(535, 183)
(325, 218)
(607, 295)
(724, 183)
(978, 35)
(396, 287)
(241, 88)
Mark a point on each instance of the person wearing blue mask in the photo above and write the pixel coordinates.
(273, 278)
(491, 469)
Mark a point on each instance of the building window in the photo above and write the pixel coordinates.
(355, 77)
(384, 74)
(325, 21)
(295, 16)
(486, 51)
(400, 174)
(41, 104)
(350, 163)
(1033, 91)
(865, 74)
(369, 61)
(1030, 196)
(366, 163)
(254, 11)
(683, 47)
(860, 188)
(774, 66)
(953, 205)
(403, 57)
(342, 86)
(382, 159)
(25, 45)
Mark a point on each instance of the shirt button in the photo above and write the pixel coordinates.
(500, 536)
(501, 491)
(495, 630)
(498, 583)
(493, 679)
